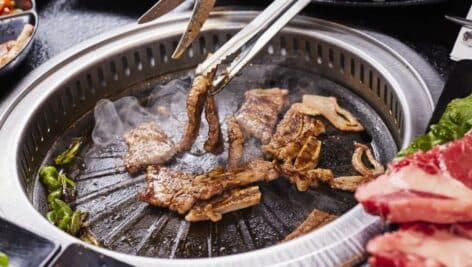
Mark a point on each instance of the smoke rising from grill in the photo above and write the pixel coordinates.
(166, 107)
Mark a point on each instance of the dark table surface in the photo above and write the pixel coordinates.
(64, 23)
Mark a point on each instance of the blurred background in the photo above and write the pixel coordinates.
(64, 23)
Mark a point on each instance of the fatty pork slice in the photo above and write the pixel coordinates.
(259, 112)
(421, 245)
(147, 145)
(433, 186)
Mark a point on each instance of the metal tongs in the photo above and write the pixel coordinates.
(466, 23)
(460, 21)
(248, 42)
(201, 11)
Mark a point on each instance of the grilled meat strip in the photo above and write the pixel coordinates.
(421, 245)
(214, 143)
(433, 186)
(232, 200)
(351, 183)
(291, 135)
(168, 188)
(147, 145)
(296, 146)
(217, 181)
(360, 167)
(179, 191)
(259, 112)
(315, 219)
(195, 103)
(309, 155)
(307, 178)
(236, 143)
(329, 108)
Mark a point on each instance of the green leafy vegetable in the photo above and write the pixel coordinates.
(68, 156)
(454, 123)
(3, 260)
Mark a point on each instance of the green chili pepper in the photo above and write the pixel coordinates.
(454, 123)
(3, 260)
(75, 222)
(62, 207)
(88, 237)
(51, 216)
(64, 223)
(49, 178)
(63, 179)
(58, 184)
(48, 171)
(53, 196)
(68, 156)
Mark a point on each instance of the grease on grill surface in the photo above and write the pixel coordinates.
(124, 224)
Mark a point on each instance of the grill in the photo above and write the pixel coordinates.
(310, 56)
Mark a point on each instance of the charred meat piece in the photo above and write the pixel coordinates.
(351, 183)
(179, 191)
(217, 181)
(309, 154)
(195, 103)
(168, 188)
(291, 135)
(214, 143)
(433, 186)
(306, 178)
(359, 165)
(147, 145)
(236, 143)
(316, 219)
(421, 245)
(328, 107)
(259, 112)
(232, 200)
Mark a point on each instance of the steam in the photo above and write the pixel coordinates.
(166, 107)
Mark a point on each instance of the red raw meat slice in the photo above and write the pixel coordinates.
(453, 158)
(418, 245)
(433, 186)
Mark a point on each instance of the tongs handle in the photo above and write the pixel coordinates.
(257, 34)
(461, 21)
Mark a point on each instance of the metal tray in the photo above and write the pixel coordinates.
(79, 256)
(24, 248)
(11, 26)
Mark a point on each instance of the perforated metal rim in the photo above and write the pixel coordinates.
(335, 243)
